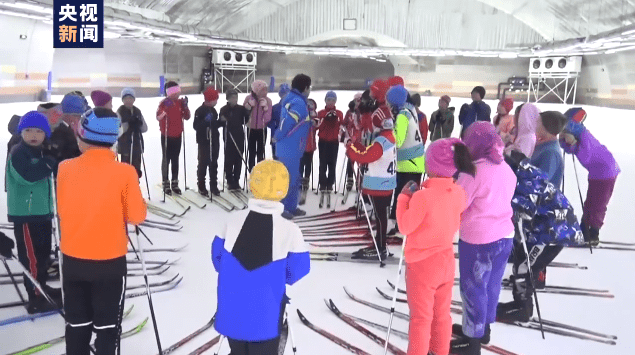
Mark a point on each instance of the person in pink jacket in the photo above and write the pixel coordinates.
(486, 236)
(259, 106)
(524, 132)
(430, 218)
(504, 120)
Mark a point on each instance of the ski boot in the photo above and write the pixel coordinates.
(465, 346)
(299, 213)
(202, 189)
(213, 189)
(175, 187)
(38, 303)
(369, 253)
(347, 190)
(322, 195)
(303, 191)
(166, 188)
(457, 329)
(328, 198)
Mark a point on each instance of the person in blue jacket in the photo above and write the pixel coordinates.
(256, 256)
(275, 115)
(290, 139)
(478, 110)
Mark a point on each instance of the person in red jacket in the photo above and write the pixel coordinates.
(423, 120)
(171, 113)
(328, 131)
(351, 131)
(306, 163)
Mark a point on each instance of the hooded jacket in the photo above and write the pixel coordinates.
(294, 127)
(259, 105)
(441, 124)
(525, 137)
(594, 156)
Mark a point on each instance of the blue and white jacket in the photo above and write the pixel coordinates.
(548, 217)
(257, 255)
(293, 130)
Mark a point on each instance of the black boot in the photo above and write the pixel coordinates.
(457, 329)
(522, 307)
(166, 188)
(202, 189)
(369, 253)
(175, 187)
(594, 236)
(465, 346)
(213, 189)
(39, 304)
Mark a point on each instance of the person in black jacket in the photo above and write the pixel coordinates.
(234, 117)
(130, 143)
(206, 124)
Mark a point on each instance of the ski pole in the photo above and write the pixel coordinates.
(531, 274)
(220, 343)
(166, 161)
(15, 283)
(145, 172)
(184, 159)
(290, 333)
(394, 296)
(58, 236)
(336, 195)
(372, 234)
(575, 167)
(148, 292)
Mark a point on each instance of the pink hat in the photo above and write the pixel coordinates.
(440, 157)
(260, 88)
(446, 98)
(100, 98)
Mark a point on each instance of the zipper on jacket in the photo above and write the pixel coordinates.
(30, 201)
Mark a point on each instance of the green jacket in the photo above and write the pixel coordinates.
(28, 184)
(415, 165)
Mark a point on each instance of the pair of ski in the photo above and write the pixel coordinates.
(549, 326)
(361, 243)
(155, 250)
(325, 195)
(50, 343)
(165, 213)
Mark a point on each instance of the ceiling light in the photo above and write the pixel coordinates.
(508, 55)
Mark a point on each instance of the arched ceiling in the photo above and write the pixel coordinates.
(549, 19)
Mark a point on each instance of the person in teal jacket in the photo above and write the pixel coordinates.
(410, 150)
(29, 206)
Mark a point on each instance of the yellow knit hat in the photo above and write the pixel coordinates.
(269, 180)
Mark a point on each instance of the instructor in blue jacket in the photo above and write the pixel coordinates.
(290, 139)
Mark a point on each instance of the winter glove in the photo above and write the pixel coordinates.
(184, 102)
(250, 102)
(410, 188)
(6, 246)
(264, 104)
(574, 128)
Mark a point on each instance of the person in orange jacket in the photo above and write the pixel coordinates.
(97, 197)
(430, 217)
(171, 113)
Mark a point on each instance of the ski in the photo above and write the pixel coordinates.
(163, 223)
(346, 238)
(336, 230)
(153, 262)
(153, 284)
(240, 195)
(284, 335)
(328, 200)
(327, 215)
(193, 335)
(617, 243)
(390, 241)
(162, 227)
(139, 272)
(167, 212)
(190, 201)
(372, 336)
(567, 265)
(203, 348)
(378, 326)
(35, 316)
(348, 257)
(237, 197)
(322, 195)
(155, 290)
(161, 214)
(155, 250)
(47, 344)
(335, 339)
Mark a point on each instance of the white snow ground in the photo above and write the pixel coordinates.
(193, 302)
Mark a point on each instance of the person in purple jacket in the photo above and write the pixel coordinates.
(602, 167)
(486, 236)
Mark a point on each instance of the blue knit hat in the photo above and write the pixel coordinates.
(331, 95)
(397, 96)
(73, 104)
(284, 90)
(127, 92)
(34, 119)
(99, 127)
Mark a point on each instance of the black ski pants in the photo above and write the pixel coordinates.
(234, 158)
(208, 160)
(33, 240)
(381, 205)
(256, 146)
(328, 163)
(171, 154)
(94, 306)
(267, 347)
(306, 165)
(131, 153)
(402, 180)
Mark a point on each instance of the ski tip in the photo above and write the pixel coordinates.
(302, 317)
(142, 324)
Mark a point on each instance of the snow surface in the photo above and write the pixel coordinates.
(193, 302)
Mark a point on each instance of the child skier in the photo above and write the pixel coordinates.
(328, 131)
(351, 132)
(523, 138)
(30, 208)
(504, 120)
(548, 224)
(170, 114)
(603, 170)
(130, 143)
(410, 150)
(94, 242)
(547, 155)
(206, 124)
(256, 256)
(421, 117)
(234, 118)
(306, 163)
(442, 120)
(378, 182)
(430, 217)
(478, 110)
(259, 106)
(486, 236)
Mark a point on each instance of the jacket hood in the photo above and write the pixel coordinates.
(525, 141)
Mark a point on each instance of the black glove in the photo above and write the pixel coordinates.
(6, 246)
